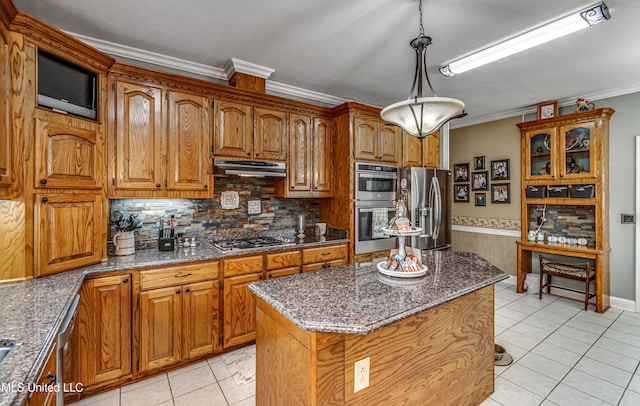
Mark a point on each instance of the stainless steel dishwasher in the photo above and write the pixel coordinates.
(64, 349)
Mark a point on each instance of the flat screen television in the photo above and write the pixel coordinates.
(66, 87)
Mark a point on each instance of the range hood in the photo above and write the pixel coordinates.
(251, 168)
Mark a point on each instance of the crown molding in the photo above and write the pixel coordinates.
(282, 88)
(234, 65)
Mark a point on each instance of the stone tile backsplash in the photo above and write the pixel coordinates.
(199, 217)
(566, 221)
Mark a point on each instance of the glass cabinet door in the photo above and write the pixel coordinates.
(577, 145)
(541, 163)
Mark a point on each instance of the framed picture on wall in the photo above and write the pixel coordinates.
(481, 199)
(500, 193)
(479, 180)
(478, 162)
(500, 169)
(461, 172)
(461, 193)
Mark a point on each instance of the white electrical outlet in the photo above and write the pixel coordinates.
(361, 374)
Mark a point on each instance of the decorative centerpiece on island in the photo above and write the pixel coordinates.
(400, 264)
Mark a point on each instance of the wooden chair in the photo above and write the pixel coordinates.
(577, 271)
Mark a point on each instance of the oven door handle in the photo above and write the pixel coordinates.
(378, 175)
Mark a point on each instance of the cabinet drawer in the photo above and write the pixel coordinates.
(281, 260)
(159, 278)
(322, 254)
(283, 272)
(323, 265)
(242, 265)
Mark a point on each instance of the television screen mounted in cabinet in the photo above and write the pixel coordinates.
(65, 87)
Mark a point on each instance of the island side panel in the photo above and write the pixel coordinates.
(294, 366)
(444, 355)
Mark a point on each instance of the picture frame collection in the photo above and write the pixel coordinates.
(478, 181)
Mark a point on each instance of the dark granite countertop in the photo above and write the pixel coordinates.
(33, 310)
(357, 299)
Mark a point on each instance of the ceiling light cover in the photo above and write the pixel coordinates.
(421, 116)
(548, 32)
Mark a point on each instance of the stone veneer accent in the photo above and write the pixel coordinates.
(201, 217)
(566, 221)
(502, 224)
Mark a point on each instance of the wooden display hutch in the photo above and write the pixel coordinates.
(563, 154)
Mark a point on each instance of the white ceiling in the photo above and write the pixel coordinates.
(359, 49)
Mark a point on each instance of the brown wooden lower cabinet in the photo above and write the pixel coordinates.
(42, 396)
(178, 323)
(239, 309)
(104, 330)
(324, 257)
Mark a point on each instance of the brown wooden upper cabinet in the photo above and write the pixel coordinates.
(242, 131)
(5, 123)
(69, 152)
(425, 153)
(309, 165)
(376, 141)
(156, 156)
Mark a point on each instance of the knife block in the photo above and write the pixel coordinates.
(166, 244)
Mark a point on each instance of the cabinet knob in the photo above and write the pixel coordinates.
(125, 280)
(158, 185)
(316, 187)
(187, 290)
(43, 181)
(44, 200)
(177, 291)
(206, 186)
(248, 153)
(257, 154)
(260, 277)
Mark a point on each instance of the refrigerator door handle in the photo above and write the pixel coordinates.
(437, 208)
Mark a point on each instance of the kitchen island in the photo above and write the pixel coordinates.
(429, 340)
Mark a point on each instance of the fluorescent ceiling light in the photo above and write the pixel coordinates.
(556, 29)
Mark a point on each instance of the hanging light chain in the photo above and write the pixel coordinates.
(420, 10)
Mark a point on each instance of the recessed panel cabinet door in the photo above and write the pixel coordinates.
(390, 148)
(201, 319)
(271, 136)
(411, 150)
(366, 139)
(161, 323)
(189, 142)
(300, 160)
(67, 156)
(5, 125)
(68, 231)
(104, 329)
(138, 136)
(239, 310)
(321, 155)
(233, 133)
(431, 151)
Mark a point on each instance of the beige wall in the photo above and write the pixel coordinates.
(498, 249)
(495, 140)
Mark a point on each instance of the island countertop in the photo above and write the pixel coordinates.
(357, 299)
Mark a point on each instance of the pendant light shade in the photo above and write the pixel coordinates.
(418, 115)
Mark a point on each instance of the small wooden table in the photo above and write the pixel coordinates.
(601, 258)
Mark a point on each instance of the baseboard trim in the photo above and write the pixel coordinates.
(617, 302)
(483, 230)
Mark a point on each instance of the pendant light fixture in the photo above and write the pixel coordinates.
(418, 115)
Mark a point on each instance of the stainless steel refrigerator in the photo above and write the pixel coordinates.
(428, 206)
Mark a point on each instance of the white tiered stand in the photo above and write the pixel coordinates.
(401, 251)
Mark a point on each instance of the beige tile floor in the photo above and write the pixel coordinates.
(562, 356)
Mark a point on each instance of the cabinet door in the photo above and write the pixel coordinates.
(41, 396)
(431, 151)
(390, 147)
(68, 232)
(539, 152)
(300, 159)
(365, 139)
(233, 131)
(271, 138)
(578, 146)
(160, 327)
(104, 329)
(239, 310)
(411, 150)
(321, 155)
(5, 124)
(67, 156)
(138, 137)
(188, 143)
(201, 319)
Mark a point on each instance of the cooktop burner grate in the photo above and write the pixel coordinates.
(248, 243)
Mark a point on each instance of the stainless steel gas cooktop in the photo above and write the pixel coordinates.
(248, 243)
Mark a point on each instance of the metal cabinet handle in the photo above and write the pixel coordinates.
(158, 185)
(187, 290)
(177, 291)
(44, 200)
(52, 378)
(182, 276)
(125, 280)
(43, 181)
